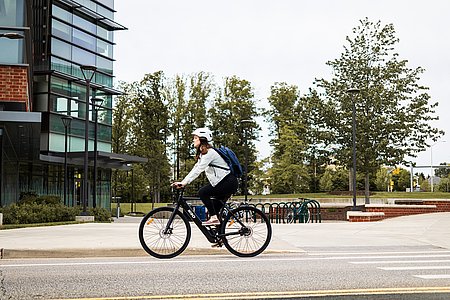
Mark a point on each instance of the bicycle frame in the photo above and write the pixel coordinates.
(209, 232)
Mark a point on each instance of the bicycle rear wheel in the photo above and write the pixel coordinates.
(160, 243)
(247, 231)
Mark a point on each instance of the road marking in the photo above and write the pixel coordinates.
(286, 295)
(442, 276)
(376, 253)
(414, 268)
(222, 260)
(398, 261)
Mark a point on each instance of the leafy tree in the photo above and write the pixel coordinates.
(120, 141)
(310, 113)
(288, 172)
(401, 179)
(442, 172)
(233, 105)
(382, 179)
(393, 110)
(443, 185)
(150, 132)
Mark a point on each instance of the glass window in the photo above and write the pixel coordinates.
(74, 109)
(79, 91)
(105, 65)
(61, 30)
(62, 14)
(83, 57)
(11, 50)
(83, 40)
(103, 79)
(59, 104)
(108, 3)
(89, 4)
(105, 12)
(61, 49)
(85, 24)
(105, 48)
(12, 13)
(60, 86)
(61, 65)
(105, 34)
(104, 132)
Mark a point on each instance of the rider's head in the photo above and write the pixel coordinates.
(203, 134)
(202, 139)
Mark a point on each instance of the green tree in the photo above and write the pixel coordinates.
(232, 105)
(393, 110)
(382, 178)
(288, 172)
(310, 113)
(120, 141)
(150, 132)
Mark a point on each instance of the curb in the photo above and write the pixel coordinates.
(85, 253)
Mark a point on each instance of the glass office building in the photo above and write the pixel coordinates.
(54, 39)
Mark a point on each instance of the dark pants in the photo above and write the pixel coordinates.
(221, 192)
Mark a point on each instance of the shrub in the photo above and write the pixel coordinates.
(100, 214)
(45, 199)
(38, 213)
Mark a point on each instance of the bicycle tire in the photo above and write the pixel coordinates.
(164, 245)
(289, 215)
(253, 237)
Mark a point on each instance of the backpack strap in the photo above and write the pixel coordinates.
(216, 166)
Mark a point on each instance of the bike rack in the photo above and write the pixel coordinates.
(303, 211)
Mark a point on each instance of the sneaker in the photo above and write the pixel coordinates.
(211, 222)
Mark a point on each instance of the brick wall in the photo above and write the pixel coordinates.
(441, 205)
(402, 210)
(14, 84)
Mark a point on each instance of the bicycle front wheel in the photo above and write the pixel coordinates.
(160, 240)
(247, 231)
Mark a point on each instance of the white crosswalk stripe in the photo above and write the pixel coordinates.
(424, 262)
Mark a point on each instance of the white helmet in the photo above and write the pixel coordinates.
(203, 133)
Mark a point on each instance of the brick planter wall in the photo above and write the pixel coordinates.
(397, 210)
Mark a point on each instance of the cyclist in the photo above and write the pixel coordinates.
(221, 182)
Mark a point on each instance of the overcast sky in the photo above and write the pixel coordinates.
(280, 41)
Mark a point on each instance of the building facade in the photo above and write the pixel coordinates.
(45, 44)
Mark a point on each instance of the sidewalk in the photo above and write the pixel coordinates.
(121, 237)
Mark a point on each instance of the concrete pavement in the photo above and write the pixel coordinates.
(120, 238)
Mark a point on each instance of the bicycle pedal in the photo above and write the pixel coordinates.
(217, 245)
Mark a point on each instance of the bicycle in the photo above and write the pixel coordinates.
(165, 232)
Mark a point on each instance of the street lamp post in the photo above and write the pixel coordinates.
(66, 121)
(96, 103)
(88, 74)
(431, 164)
(245, 124)
(353, 92)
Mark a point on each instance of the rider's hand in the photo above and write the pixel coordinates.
(178, 185)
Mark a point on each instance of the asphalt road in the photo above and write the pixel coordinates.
(340, 273)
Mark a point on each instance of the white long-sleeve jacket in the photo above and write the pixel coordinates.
(204, 163)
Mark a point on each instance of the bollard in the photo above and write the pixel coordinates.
(1, 219)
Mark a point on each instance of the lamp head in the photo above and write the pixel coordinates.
(12, 35)
(66, 120)
(88, 71)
